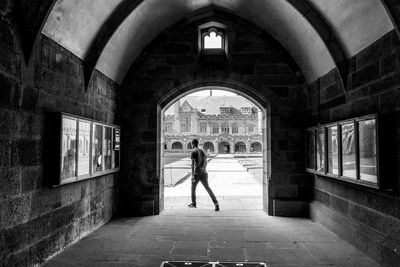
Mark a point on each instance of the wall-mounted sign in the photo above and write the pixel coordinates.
(116, 139)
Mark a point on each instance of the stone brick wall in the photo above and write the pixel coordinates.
(173, 65)
(36, 221)
(368, 218)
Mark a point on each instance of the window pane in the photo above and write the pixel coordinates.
(212, 41)
(348, 151)
(333, 148)
(97, 159)
(68, 162)
(84, 146)
(310, 150)
(107, 148)
(321, 150)
(367, 141)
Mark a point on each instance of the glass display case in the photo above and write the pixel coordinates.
(87, 148)
(346, 150)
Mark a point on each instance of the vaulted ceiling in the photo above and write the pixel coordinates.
(319, 34)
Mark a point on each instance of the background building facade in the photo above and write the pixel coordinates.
(223, 124)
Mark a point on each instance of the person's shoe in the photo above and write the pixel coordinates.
(216, 207)
(192, 205)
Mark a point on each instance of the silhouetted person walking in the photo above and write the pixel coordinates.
(199, 173)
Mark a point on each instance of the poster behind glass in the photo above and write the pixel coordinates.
(68, 144)
(97, 145)
(348, 151)
(116, 147)
(84, 148)
(107, 148)
(333, 150)
(310, 143)
(321, 150)
(367, 146)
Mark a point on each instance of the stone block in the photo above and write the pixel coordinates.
(44, 201)
(372, 53)
(18, 259)
(246, 69)
(4, 153)
(7, 92)
(366, 75)
(339, 204)
(175, 48)
(281, 91)
(42, 250)
(30, 152)
(38, 228)
(321, 196)
(10, 182)
(388, 65)
(16, 210)
(290, 208)
(333, 91)
(30, 97)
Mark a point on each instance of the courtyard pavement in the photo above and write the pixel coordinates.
(234, 187)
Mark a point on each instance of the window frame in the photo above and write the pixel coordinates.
(55, 139)
(205, 29)
(357, 180)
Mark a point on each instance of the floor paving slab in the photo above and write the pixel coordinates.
(207, 235)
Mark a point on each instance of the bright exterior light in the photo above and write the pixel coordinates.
(212, 41)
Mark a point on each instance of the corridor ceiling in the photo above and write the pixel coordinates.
(83, 25)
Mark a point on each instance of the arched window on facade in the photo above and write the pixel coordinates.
(177, 145)
(256, 147)
(189, 145)
(225, 128)
(215, 128)
(208, 147)
(235, 128)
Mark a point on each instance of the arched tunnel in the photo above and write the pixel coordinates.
(324, 73)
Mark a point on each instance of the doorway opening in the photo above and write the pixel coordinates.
(224, 148)
(231, 129)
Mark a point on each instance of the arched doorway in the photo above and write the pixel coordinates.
(208, 147)
(240, 147)
(256, 147)
(176, 146)
(224, 148)
(213, 129)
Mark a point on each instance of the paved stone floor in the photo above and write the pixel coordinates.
(199, 234)
(240, 231)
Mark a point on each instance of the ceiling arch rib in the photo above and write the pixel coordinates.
(31, 16)
(103, 36)
(304, 41)
(295, 34)
(357, 24)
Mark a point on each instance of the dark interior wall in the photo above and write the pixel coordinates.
(254, 60)
(35, 220)
(368, 218)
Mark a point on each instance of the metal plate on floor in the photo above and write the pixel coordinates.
(211, 264)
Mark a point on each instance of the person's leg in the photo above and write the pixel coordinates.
(204, 181)
(194, 185)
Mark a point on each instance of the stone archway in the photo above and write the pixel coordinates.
(224, 148)
(240, 147)
(169, 96)
(256, 147)
(208, 147)
(176, 146)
